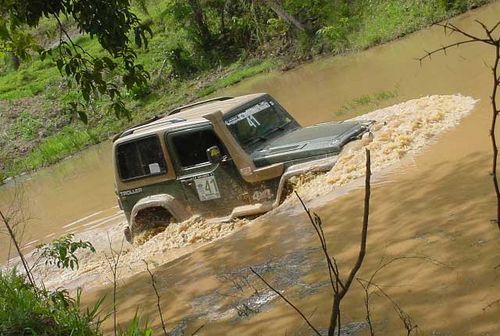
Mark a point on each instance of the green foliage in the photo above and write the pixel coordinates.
(188, 57)
(110, 22)
(276, 27)
(61, 252)
(24, 311)
(69, 140)
(135, 329)
(339, 33)
(181, 62)
(372, 101)
(236, 76)
(27, 82)
(386, 20)
(26, 126)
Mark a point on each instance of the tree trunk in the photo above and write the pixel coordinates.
(201, 25)
(280, 11)
(335, 316)
(14, 60)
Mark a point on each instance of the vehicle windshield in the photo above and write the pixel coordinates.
(258, 123)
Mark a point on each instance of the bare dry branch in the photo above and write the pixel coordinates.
(21, 255)
(158, 305)
(405, 318)
(366, 289)
(198, 330)
(491, 304)
(333, 272)
(339, 287)
(367, 284)
(337, 299)
(287, 301)
(494, 42)
(113, 262)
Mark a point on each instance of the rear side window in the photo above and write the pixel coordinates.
(140, 158)
(191, 148)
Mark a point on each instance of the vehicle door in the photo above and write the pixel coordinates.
(210, 188)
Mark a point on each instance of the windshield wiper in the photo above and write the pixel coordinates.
(277, 128)
(264, 137)
(255, 140)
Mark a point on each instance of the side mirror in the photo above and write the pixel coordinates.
(214, 154)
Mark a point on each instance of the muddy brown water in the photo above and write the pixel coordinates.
(434, 213)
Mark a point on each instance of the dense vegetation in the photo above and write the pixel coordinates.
(26, 311)
(198, 47)
(27, 308)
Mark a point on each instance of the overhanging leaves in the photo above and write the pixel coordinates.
(109, 21)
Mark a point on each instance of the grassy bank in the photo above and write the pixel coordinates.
(25, 310)
(36, 129)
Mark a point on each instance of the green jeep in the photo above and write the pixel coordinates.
(220, 158)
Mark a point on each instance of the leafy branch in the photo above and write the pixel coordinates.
(62, 252)
(109, 21)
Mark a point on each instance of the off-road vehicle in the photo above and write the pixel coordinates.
(220, 158)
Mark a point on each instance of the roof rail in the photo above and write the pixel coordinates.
(127, 130)
(180, 109)
(147, 123)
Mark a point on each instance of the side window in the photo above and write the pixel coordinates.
(140, 158)
(191, 147)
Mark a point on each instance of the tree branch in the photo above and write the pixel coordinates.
(21, 255)
(287, 301)
(158, 305)
(495, 42)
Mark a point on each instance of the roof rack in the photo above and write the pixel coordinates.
(131, 129)
(180, 109)
(127, 130)
(146, 123)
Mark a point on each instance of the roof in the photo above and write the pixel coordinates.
(188, 114)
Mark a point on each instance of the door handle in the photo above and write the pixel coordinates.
(188, 182)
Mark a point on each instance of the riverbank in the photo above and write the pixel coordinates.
(436, 207)
(36, 131)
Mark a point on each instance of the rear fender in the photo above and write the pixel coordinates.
(168, 202)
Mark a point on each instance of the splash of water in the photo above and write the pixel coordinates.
(399, 131)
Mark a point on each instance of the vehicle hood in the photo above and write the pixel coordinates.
(322, 139)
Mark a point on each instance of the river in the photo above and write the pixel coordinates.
(433, 211)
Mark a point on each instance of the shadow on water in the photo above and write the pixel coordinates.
(445, 293)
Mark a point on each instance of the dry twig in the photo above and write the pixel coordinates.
(113, 262)
(339, 286)
(490, 40)
(287, 301)
(158, 305)
(21, 255)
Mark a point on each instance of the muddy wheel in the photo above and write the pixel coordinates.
(152, 220)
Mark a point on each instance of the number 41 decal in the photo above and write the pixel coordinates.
(207, 188)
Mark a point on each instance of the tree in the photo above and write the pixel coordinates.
(284, 15)
(111, 22)
(205, 37)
